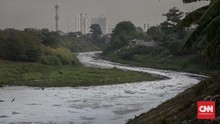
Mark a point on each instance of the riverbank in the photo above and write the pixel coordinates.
(183, 108)
(181, 64)
(39, 75)
(110, 104)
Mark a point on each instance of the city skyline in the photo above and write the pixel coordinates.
(102, 22)
(22, 14)
(84, 22)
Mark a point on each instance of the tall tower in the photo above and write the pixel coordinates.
(56, 17)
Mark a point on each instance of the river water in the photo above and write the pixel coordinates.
(111, 104)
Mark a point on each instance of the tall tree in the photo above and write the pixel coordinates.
(124, 27)
(48, 38)
(96, 32)
(172, 18)
(19, 46)
(168, 26)
(206, 34)
(122, 34)
(155, 33)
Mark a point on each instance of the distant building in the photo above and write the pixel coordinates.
(102, 22)
(82, 23)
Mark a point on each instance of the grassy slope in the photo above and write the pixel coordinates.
(35, 74)
(182, 107)
(164, 62)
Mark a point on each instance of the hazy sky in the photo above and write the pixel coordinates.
(40, 13)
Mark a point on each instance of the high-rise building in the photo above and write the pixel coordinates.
(101, 20)
(82, 23)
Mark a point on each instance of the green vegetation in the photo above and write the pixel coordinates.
(96, 32)
(18, 45)
(168, 26)
(183, 108)
(97, 38)
(166, 54)
(39, 75)
(47, 38)
(122, 34)
(77, 42)
(164, 34)
(155, 33)
(206, 34)
(204, 40)
(38, 57)
(50, 48)
(162, 58)
(58, 56)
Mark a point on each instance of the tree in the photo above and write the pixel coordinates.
(168, 26)
(47, 38)
(96, 32)
(172, 18)
(155, 33)
(122, 33)
(19, 46)
(124, 27)
(206, 34)
(139, 29)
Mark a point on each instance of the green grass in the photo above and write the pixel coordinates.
(182, 108)
(39, 75)
(167, 62)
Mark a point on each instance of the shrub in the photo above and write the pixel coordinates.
(19, 46)
(174, 46)
(59, 56)
(127, 54)
(50, 60)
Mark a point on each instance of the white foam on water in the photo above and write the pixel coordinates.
(110, 104)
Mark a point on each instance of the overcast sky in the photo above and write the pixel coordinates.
(21, 14)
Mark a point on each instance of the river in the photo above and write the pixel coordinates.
(110, 104)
